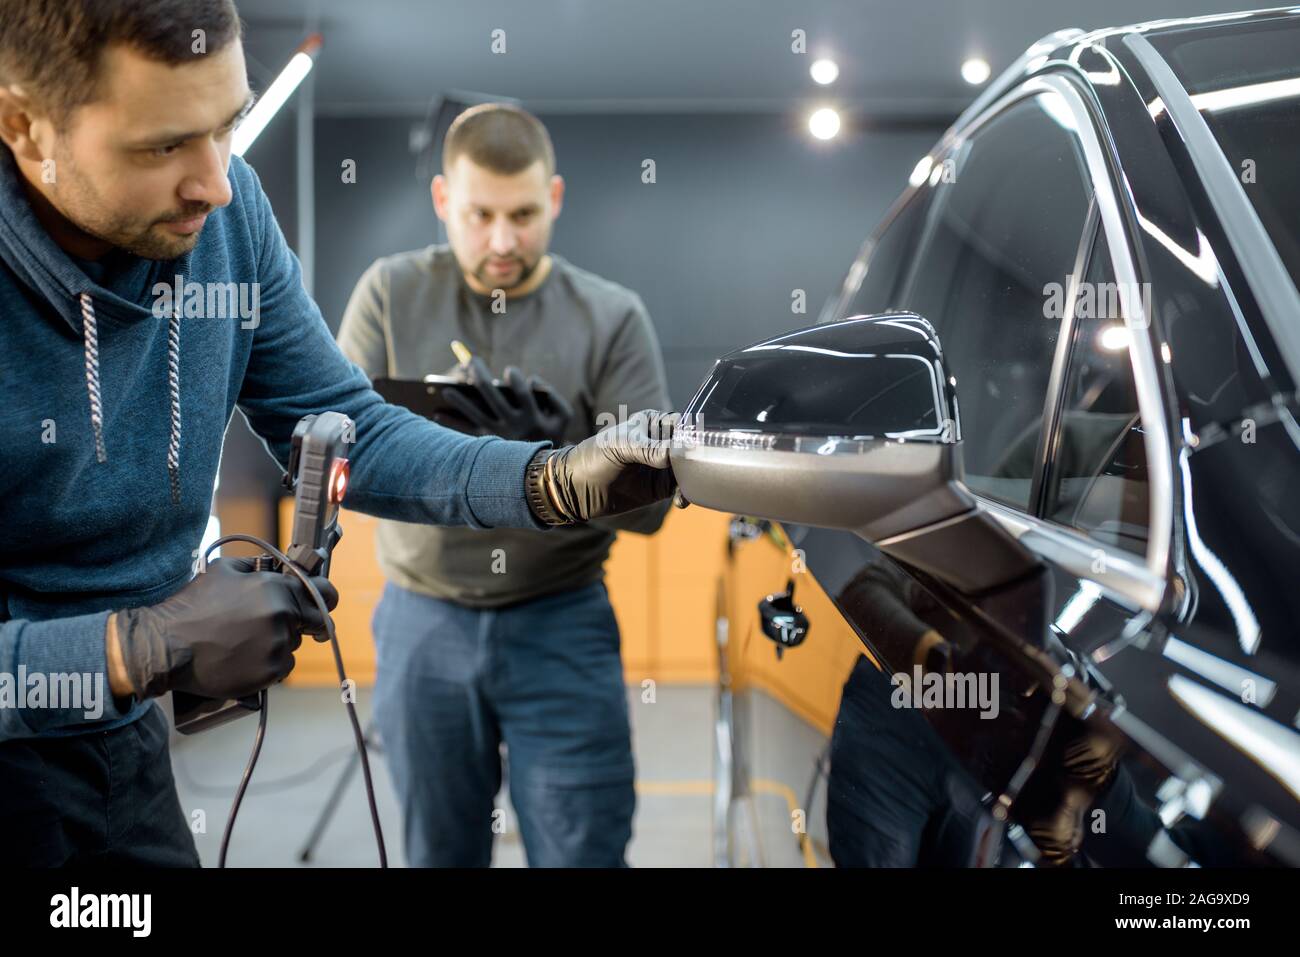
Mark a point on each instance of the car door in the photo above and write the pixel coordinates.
(1094, 506)
(986, 247)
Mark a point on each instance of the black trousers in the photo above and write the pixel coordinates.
(895, 798)
(106, 798)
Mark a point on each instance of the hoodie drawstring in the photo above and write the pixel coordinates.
(90, 334)
(174, 391)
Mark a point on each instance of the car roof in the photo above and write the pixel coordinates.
(1157, 27)
(1050, 47)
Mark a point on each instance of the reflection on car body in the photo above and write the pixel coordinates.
(1093, 500)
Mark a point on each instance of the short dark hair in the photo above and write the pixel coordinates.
(498, 137)
(54, 47)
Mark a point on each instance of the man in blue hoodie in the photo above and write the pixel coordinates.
(117, 188)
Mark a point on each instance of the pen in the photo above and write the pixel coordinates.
(463, 355)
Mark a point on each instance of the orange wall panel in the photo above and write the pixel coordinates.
(662, 587)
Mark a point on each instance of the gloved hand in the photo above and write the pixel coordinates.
(616, 470)
(1075, 771)
(525, 422)
(229, 633)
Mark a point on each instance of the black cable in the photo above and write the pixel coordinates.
(248, 774)
(357, 735)
(819, 771)
(274, 786)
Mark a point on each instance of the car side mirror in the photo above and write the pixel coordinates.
(851, 425)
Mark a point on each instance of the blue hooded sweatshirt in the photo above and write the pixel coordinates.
(113, 409)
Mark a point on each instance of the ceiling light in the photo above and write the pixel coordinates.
(1114, 338)
(276, 95)
(824, 71)
(920, 171)
(824, 123)
(975, 71)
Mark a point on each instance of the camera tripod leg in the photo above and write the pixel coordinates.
(336, 795)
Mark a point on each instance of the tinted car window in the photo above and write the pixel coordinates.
(888, 259)
(1245, 79)
(1003, 229)
(1097, 481)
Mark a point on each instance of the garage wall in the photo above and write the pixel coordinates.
(744, 210)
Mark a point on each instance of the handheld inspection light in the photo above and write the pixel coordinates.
(318, 476)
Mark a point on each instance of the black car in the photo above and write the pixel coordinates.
(1039, 452)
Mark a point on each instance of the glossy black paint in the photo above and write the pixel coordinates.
(878, 377)
(1173, 678)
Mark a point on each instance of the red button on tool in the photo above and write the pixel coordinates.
(338, 480)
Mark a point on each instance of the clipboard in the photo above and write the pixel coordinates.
(427, 397)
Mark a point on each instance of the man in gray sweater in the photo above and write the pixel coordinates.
(506, 635)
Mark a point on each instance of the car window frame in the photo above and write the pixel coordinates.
(1063, 366)
(956, 151)
(1136, 581)
(1054, 400)
(1139, 582)
(836, 306)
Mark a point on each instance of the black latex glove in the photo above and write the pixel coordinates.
(229, 633)
(616, 470)
(1077, 768)
(525, 421)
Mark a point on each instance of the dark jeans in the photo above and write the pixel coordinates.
(106, 798)
(894, 796)
(546, 678)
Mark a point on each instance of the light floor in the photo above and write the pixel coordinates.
(309, 740)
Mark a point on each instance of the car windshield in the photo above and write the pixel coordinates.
(1244, 77)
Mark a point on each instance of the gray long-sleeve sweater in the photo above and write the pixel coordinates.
(589, 338)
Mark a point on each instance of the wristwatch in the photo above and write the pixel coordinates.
(539, 500)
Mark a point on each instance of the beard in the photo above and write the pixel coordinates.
(85, 209)
(526, 269)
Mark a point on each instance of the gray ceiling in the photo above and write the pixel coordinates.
(896, 58)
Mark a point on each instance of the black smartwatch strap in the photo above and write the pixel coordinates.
(535, 489)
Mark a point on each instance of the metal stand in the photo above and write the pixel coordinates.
(373, 747)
